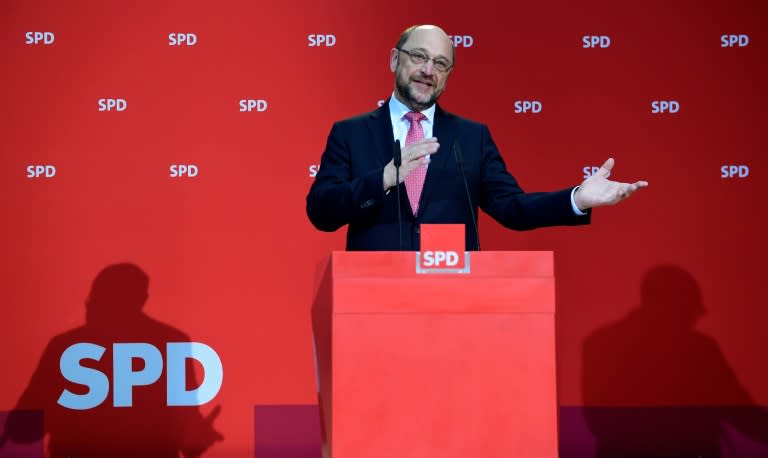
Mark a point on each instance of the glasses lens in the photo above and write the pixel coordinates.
(441, 65)
(418, 57)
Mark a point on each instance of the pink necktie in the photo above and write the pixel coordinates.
(414, 182)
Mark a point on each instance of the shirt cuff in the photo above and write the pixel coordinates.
(576, 210)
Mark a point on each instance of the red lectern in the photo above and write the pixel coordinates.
(436, 365)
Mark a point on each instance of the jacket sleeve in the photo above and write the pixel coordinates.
(339, 195)
(503, 199)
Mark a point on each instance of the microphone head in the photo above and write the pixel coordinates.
(398, 159)
(457, 153)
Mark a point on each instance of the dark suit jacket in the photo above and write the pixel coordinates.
(348, 188)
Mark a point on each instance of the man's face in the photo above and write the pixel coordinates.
(420, 85)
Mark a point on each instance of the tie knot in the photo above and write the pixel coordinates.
(414, 116)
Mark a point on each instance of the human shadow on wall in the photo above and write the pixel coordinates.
(149, 428)
(655, 386)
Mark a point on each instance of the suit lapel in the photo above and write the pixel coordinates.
(380, 126)
(444, 131)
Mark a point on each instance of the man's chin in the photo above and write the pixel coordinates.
(422, 99)
(415, 99)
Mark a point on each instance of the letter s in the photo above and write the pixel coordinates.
(95, 380)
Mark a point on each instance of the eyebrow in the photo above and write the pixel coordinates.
(439, 56)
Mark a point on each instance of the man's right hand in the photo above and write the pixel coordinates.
(413, 155)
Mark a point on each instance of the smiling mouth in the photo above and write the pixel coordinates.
(424, 83)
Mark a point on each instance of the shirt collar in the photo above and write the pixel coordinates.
(397, 110)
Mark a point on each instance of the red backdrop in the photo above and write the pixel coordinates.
(230, 253)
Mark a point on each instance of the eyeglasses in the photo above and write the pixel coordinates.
(418, 57)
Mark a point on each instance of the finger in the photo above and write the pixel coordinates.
(627, 190)
(641, 183)
(422, 145)
(605, 169)
(420, 151)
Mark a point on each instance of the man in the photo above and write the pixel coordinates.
(357, 180)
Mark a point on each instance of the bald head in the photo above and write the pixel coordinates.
(431, 30)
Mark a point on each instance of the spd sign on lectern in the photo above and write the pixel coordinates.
(442, 250)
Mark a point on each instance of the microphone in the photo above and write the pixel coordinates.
(398, 161)
(460, 162)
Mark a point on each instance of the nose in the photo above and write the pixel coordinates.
(427, 68)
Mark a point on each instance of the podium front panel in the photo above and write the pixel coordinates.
(441, 365)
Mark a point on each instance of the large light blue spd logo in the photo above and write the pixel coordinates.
(124, 378)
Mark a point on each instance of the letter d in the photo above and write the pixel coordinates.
(177, 393)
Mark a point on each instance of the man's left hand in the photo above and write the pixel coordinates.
(598, 190)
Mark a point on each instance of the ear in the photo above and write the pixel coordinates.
(393, 58)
